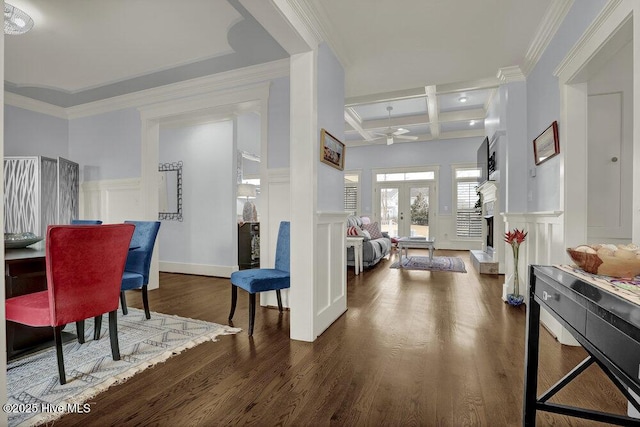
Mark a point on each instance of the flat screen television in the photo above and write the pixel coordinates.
(483, 161)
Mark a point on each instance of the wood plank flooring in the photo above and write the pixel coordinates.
(414, 348)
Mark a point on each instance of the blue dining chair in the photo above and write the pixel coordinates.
(86, 222)
(257, 280)
(136, 270)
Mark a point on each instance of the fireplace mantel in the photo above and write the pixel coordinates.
(492, 256)
(489, 191)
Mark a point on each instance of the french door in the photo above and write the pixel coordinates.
(404, 208)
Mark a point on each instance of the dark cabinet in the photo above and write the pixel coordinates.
(249, 245)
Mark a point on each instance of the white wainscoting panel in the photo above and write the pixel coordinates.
(331, 269)
(446, 236)
(111, 201)
(544, 245)
(277, 194)
(114, 201)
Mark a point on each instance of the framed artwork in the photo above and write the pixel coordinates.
(331, 150)
(547, 144)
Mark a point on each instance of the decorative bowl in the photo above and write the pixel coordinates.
(605, 265)
(20, 240)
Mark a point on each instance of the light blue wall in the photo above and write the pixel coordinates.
(330, 117)
(543, 102)
(206, 234)
(107, 146)
(248, 139)
(34, 134)
(278, 132)
(433, 153)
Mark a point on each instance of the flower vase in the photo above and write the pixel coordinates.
(515, 299)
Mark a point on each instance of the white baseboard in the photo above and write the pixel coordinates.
(198, 269)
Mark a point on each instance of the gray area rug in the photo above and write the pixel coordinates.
(34, 392)
(439, 263)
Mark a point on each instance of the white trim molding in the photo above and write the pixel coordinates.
(215, 82)
(197, 269)
(511, 74)
(554, 16)
(34, 105)
(612, 16)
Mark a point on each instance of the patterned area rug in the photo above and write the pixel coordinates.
(439, 263)
(34, 392)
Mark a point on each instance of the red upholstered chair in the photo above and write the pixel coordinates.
(84, 273)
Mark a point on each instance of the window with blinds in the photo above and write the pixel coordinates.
(468, 217)
(351, 192)
(351, 198)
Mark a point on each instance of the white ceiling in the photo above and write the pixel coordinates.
(418, 56)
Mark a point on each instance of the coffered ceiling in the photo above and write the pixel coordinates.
(423, 57)
(417, 56)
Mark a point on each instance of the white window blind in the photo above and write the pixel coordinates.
(351, 198)
(468, 218)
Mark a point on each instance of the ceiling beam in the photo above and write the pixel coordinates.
(417, 119)
(351, 117)
(432, 108)
(463, 115)
(385, 97)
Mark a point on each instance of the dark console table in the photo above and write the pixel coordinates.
(604, 322)
(25, 273)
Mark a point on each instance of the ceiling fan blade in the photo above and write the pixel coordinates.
(389, 140)
(408, 138)
(401, 131)
(377, 133)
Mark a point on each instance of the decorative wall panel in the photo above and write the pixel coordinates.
(31, 197)
(68, 190)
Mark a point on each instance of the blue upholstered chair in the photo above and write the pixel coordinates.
(136, 271)
(86, 222)
(264, 279)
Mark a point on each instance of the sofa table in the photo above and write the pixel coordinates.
(603, 319)
(407, 243)
(356, 244)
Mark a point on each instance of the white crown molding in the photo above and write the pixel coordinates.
(511, 74)
(323, 27)
(486, 83)
(588, 36)
(306, 19)
(215, 82)
(36, 106)
(555, 14)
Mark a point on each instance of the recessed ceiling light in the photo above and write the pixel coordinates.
(472, 122)
(463, 99)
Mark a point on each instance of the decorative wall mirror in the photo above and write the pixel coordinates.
(170, 191)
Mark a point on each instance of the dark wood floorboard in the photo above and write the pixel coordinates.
(414, 348)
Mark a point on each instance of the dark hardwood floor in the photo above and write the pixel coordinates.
(414, 348)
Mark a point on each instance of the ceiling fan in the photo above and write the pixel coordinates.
(391, 133)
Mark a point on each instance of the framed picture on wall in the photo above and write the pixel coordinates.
(546, 145)
(331, 150)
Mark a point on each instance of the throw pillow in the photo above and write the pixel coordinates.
(354, 231)
(373, 229)
(366, 235)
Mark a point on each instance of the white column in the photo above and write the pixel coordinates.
(303, 167)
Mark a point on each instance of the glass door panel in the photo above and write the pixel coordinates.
(405, 209)
(418, 211)
(389, 210)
